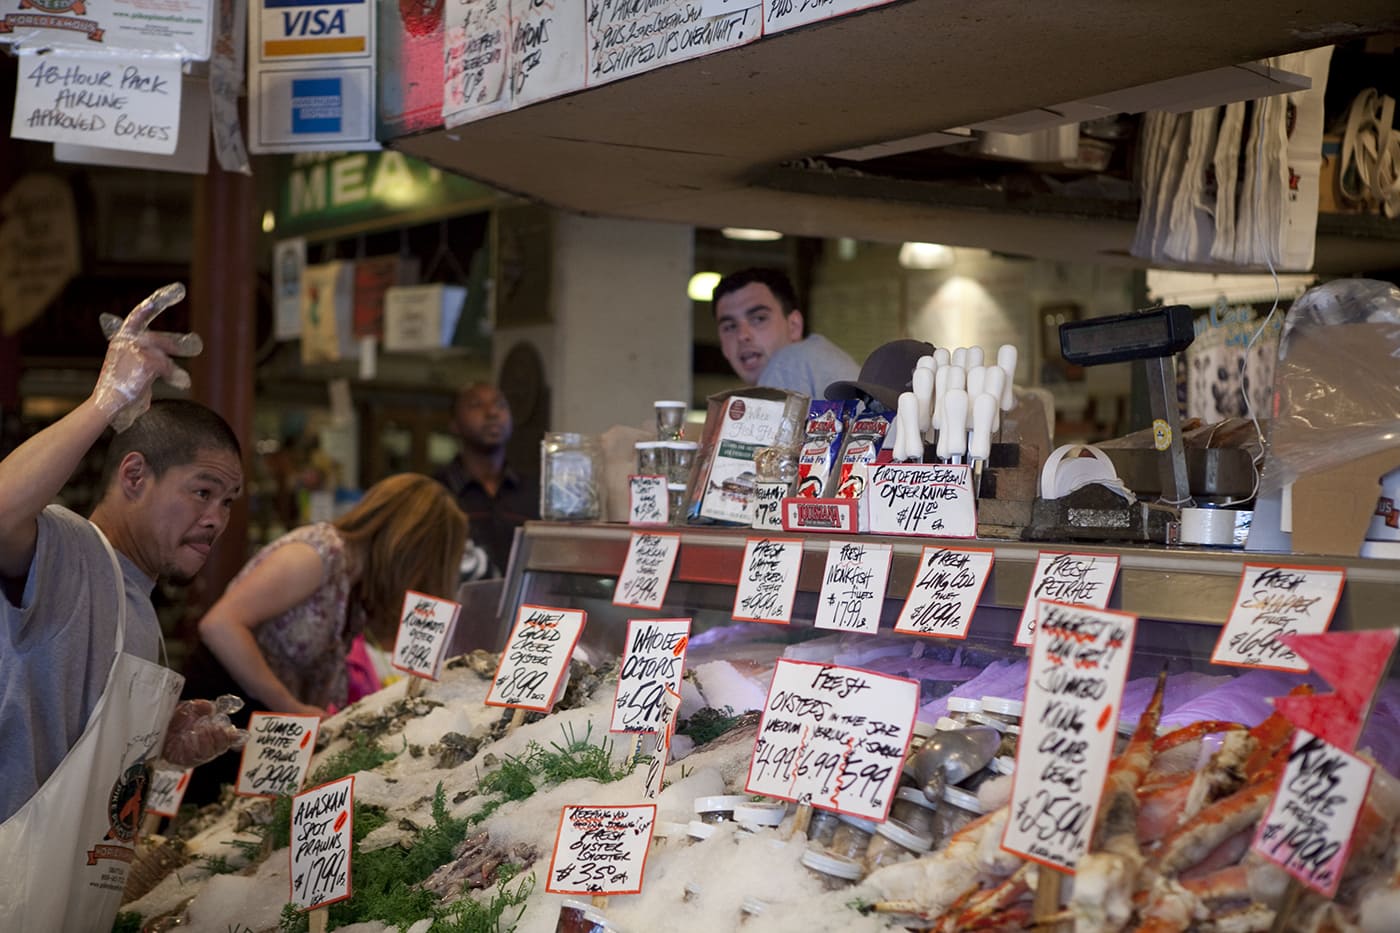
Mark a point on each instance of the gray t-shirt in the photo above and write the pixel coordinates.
(58, 647)
(809, 366)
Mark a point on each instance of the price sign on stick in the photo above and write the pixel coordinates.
(768, 580)
(648, 503)
(1074, 692)
(1077, 579)
(601, 850)
(646, 573)
(661, 746)
(921, 499)
(277, 754)
(853, 586)
(322, 824)
(536, 657)
(652, 663)
(1275, 600)
(424, 632)
(834, 737)
(1309, 826)
(167, 790)
(945, 591)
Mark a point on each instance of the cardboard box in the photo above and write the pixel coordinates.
(1332, 508)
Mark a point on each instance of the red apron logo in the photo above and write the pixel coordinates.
(51, 14)
(119, 853)
(125, 804)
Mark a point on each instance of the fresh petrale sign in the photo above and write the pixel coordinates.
(278, 752)
(1081, 579)
(535, 658)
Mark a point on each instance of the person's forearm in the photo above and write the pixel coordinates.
(33, 475)
(237, 650)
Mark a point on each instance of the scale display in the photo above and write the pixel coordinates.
(1139, 335)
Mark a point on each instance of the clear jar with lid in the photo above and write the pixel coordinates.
(960, 707)
(651, 458)
(959, 807)
(894, 843)
(571, 478)
(756, 815)
(852, 837)
(822, 827)
(698, 830)
(579, 917)
(912, 809)
(719, 808)
(1004, 711)
(679, 460)
(833, 871)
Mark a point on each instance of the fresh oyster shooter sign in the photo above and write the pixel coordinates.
(535, 657)
(277, 754)
(834, 737)
(1074, 691)
(424, 631)
(1080, 579)
(323, 824)
(601, 850)
(652, 663)
(1275, 600)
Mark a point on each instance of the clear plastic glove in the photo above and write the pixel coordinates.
(136, 356)
(200, 731)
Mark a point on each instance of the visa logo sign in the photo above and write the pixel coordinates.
(313, 23)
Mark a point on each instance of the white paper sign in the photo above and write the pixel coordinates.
(601, 850)
(1077, 579)
(177, 27)
(278, 752)
(627, 38)
(648, 503)
(323, 823)
(652, 663)
(781, 15)
(853, 586)
(98, 99)
(191, 153)
(768, 580)
(646, 573)
(476, 56)
(167, 789)
(944, 594)
(548, 51)
(921, 499)
(1274, 600)
(661, 745)
(288, 266)
(425, 627)
(536, 657)
(768, 505)
(1079, 663)
(1308, 828)
(834, 737)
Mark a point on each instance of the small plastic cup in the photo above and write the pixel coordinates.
(670, 420)
(653, 459)
(680, 457)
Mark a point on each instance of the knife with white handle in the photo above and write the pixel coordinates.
(955, 425)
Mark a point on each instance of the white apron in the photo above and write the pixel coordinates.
(67, 851)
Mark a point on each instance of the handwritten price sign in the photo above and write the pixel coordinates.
(768, 581)
(535, 657)
(167, 790)
(1079, 579)
(1079, 663)
(601, 850)
(782, 15)
(834, 737)
(646, 573)
(945, 591)
(661, 745)
(853, 586)
(1307, 831)
(921, 499)
(322, 825)
(424, 631)
(1276, 600)
(648, 503)
(277, 754)
(652, 663)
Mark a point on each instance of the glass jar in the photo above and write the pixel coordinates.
(894, 843)
(959, 707)
(833, 871)
(670, 420)
(822, 827)
(651, 458)
(579, 917)
(959, 807)
(679, 460)
(718, 808)
(675, 503)
(914, 810)
(758, 815)
(1006, 712)
(852, 837)
(571, 478)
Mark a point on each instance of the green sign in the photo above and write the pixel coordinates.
(320, 195)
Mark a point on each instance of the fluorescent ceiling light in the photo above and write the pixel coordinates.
(750, 234)
(702, 286)
(925, 256)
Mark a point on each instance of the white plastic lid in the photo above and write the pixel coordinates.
(763, 814)
(668, 829)
(1003, 764)
(914, 795)
(752, 905)
(868, 826)
(924, 729)
(963, 705)
(680, 445)
(699, 829)
(905, 837)
(650, 445)
(1003, 707)
(945, 724)
(676, 486)
(719, 802)
(580, 906)
(833, 865)
(666, 403)
(962, 799)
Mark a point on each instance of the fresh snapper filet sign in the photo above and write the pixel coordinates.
(311, 75)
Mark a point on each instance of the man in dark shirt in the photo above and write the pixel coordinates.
(495, 497)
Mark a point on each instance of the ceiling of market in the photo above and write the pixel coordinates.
(736, 138)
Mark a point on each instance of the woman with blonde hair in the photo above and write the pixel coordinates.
(284, 626)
